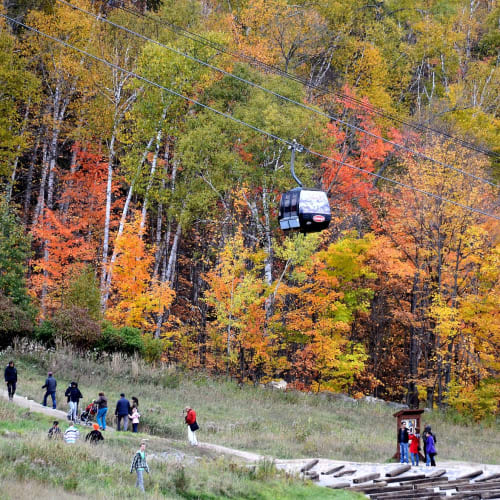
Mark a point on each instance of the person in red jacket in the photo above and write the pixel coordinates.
(192, 425)
(414, 439)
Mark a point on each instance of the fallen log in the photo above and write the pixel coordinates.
(400, 479)
(313, 476)
(494, 475)
(376, 488)
(398, 470)
(338, 486)
(479, 486)
(453, 484)
(345, 472)
(428, 496)
(333, 470)
(429, 480)
(366, 477)
(471, 475)
(309, 465)
(491, 494)
(437, 473)
(403, 493)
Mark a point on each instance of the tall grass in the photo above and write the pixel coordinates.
(35, 467)
(279, 424)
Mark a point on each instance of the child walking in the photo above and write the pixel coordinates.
(135, 419)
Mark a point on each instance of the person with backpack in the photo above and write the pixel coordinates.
(192, 425)
(139, 464)
(10, 375)
(50, 390)
(94, 436)
(74, 395)
(429, 446)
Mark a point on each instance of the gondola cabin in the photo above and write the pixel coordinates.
(304, 209)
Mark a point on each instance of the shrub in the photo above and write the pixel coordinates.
(15, 321)
(153, 348)
(45, 333)
(74, 326)
(126, 339)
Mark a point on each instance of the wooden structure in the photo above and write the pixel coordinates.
(412, 420)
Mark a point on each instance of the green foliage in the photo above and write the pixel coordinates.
(126, 339)
(45, 333)
(476, 403)
(153, 348)
(14, 253)
(14, 321)
(84, 293)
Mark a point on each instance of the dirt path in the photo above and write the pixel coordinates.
(453, 469)
(31, 405)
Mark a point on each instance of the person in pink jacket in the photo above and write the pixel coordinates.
(135, 419)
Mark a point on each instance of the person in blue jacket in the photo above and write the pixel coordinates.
(50, 390)
(122, 412)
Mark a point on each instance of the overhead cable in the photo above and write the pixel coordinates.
(275, 69)
(279, 96)
(241, 122)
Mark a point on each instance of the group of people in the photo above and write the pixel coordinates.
(409, 444)
(72, 434)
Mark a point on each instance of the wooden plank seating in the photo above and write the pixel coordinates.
(398, 470)
(402, 479)
(494, 475)
(309, 465)
(437, 473)
(333, 470)
(379, 488)
(338, 486)
(345, 472)
(480, 486)
(471, 475)
(366, 477)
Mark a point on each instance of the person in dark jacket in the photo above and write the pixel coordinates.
(74, 395)
(93, 437)
(50, 390)
(122, 412)
(403, 438)
(55, 431)
(10, 376)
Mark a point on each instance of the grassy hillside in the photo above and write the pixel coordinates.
(34, 467)
(280, 424)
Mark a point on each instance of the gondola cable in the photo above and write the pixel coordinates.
(259, 63)
(279, 96)
(248, 125)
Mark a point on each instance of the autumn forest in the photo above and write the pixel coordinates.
(144, 147)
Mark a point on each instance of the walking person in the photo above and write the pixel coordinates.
(50, 390)
(192, 425)
(430, 447)
(135, 418)
(139, 464)
(93, 437)
(403, 439)
(122, 412)
(415, 446)
(72, 434)
(102, 405)
(10, 375)
(74, 395)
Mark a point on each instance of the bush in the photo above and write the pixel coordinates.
(126, 339)
(153, 348)
(45, 333)
(74, 326)
(15, 321)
